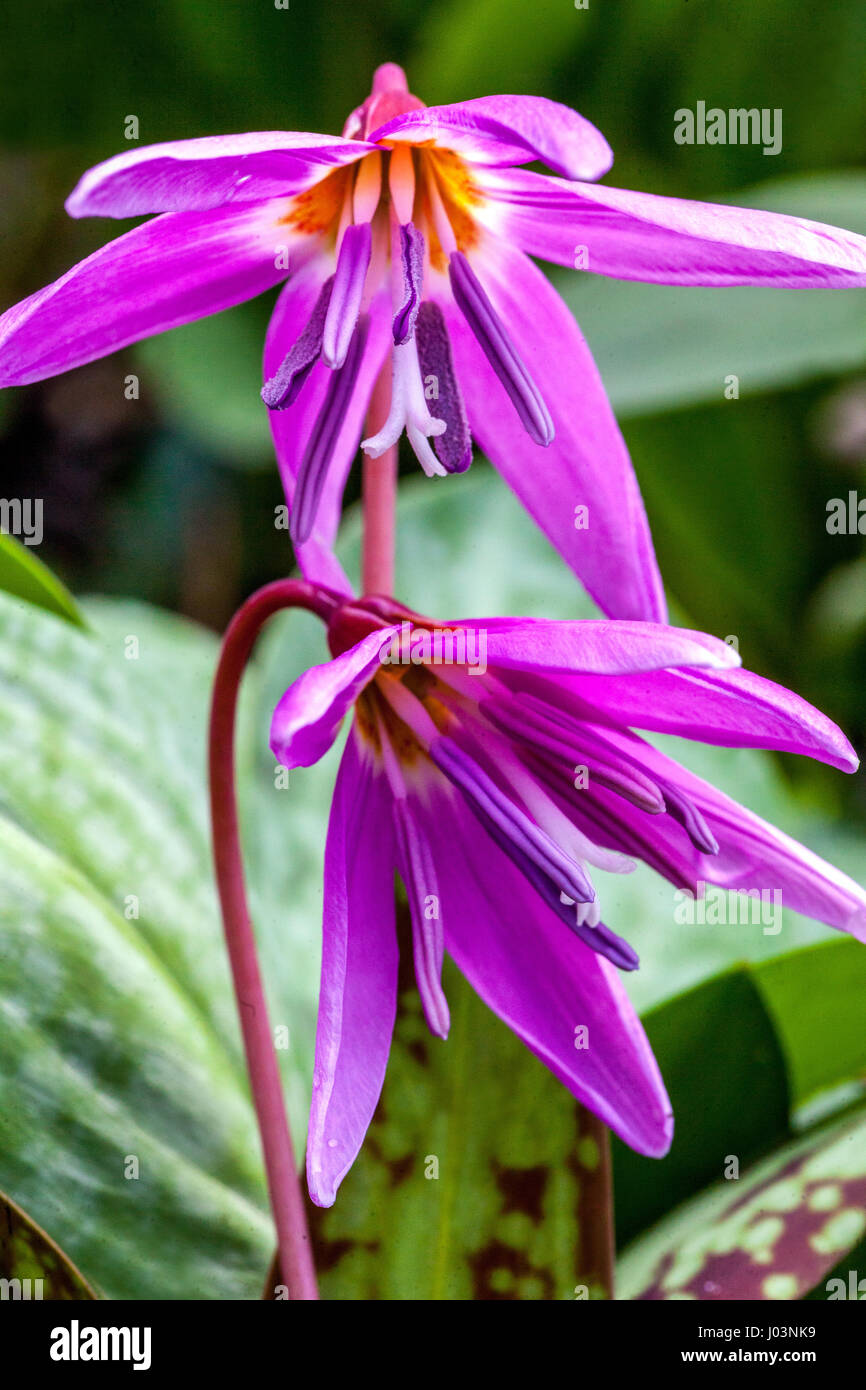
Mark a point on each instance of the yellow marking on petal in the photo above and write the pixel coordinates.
(317, 210)
(460, 195)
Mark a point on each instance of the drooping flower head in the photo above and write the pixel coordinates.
(493, 765)
(408, 239)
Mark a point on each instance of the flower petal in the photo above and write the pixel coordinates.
(308, 717)
(500, 130)
(543, 982)
(734, 709)
(292, 428)
(600, 648)
(607, 542)
(358, 995)
(166, 272)
(668, 241)
(756, 855)
(193, 175)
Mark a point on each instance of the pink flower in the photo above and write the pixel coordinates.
(458, 774)
(409, 237)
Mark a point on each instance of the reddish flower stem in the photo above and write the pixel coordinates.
(379, 494)
(287, 1201)
(597, 1245)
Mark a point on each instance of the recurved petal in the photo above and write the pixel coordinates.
(670, 241)
(308, 717)
(543, 982)
(502, 130)
(292, 429)
(358, 995)
(601, 648)
(735, 709)
(753, 854)
(193, 175)
(173, 269)
(580, 489)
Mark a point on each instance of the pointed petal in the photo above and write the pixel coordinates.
(358, 995)
(292, 428)
(193, 175)
(586, 466)
(308, 717)
(543, 982)
(500, 130)
(602, 648)
(168, 271)
(756, 855)
(669, 241)
(734, 709)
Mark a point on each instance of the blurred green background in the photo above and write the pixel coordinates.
(141, 497)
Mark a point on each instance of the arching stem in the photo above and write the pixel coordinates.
(287, 1201)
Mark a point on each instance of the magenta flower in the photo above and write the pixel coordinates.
(408, 237)
(459, 773)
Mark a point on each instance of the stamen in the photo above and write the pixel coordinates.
(283, 387)
(368, 188)
(401, 181)
(507, 823)
(418, 873)
(499, 350)
(346, 294)
(531, 722)
(323, 438)
(409, 410)
(436, 365)
(412, 260)
(689, 817)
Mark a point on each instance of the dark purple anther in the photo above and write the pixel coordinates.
(454, 447)
(323, 438)
(353, 261)
(499, 350)
(285, 384)
(412, 256)
(689, 817)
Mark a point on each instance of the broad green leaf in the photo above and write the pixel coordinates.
(662, 346)
(726, 1074)
(32, 1266)
(774, 1232)
(467, 1186)
(23, 575)
(125, 1126)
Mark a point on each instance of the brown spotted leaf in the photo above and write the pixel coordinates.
(776, 1232)
(470, 1182)
(32, 1266)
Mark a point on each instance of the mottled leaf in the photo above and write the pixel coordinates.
(775, 1232)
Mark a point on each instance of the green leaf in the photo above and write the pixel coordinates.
(467, 1186)
(25, 576)
(34, 1266)
(773, 1233)
(125, 1125)
(663, 346)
